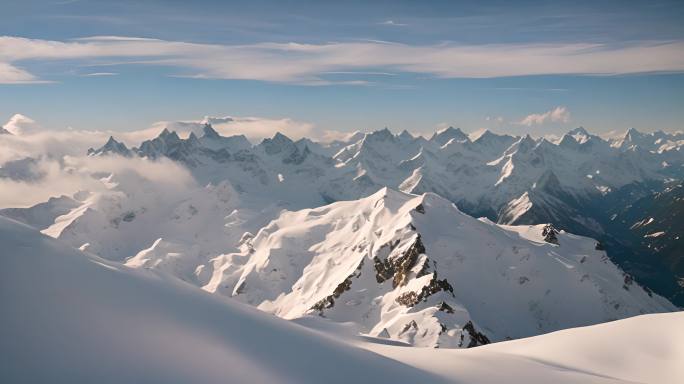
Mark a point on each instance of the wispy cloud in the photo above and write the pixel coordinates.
(557, 115)
(9, 74)
(308, 64)
(392, 23)
(97, 74)
(495, 119)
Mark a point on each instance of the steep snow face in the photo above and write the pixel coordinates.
(416, 269)
(70, 317)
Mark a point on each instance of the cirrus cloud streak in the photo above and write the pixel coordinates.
(308, 63)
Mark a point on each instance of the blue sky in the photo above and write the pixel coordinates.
(606, 65)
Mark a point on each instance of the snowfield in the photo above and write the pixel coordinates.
(72, 317)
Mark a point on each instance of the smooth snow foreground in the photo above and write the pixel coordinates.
(69, 317)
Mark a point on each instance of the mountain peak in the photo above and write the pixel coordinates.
(278, 143)
(445, 135)
(526, 143)
(487, 136)
(209, 132)
(380, 135)
(192, 139)
(405, 135)
(633, 131)
(111, 146)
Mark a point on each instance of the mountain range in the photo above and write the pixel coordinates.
(578, 182)
(379, 231)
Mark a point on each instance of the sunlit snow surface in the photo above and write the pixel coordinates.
(70, 317)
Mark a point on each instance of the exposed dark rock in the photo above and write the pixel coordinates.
(240, 289)
(420, 209)
(435, 285)
(523, 280)
(128, 217)
(408, 299)
(550, 234)
(629, 280)
(476, 338)
(599, 246)
(408, 326)
(398, 268)
(444, 307)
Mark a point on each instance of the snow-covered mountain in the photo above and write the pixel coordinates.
(241, 187)
(73, 317)
(509, 179)
(569, 182)
(416, 269)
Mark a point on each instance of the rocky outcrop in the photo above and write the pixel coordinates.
(398, 268)
(550, 234)
(476, 338)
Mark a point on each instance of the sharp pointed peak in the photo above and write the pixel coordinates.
(445, 135)
(449, 129)
(280, 137)
(381, 134)
(406, 134)
(486, 135)
(209, 131)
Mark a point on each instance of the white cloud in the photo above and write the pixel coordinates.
(68, 175)
(556, 115)
(308, 63)
(20, 125)
(393, 23)
(10, 74)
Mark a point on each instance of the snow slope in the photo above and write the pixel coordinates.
(642, 349)
(70, 317)
(416, 269)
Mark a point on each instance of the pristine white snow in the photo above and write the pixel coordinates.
(71, 317)
(642, 349)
